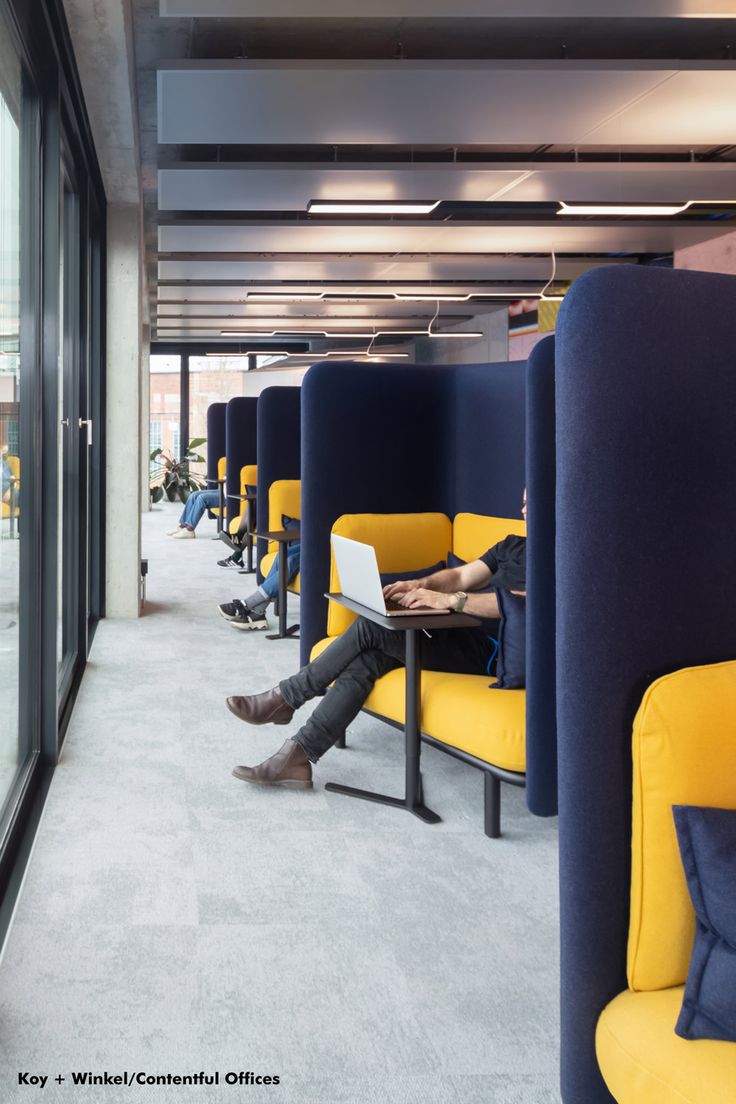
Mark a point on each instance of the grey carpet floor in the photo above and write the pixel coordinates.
(176, 920)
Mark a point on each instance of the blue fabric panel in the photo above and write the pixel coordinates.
(240, 446)
(279, 447)
(707, 839)
(215, 442)
(489, 426)
(541, 719)
(215, 438)
(376, 438)
(646, 528)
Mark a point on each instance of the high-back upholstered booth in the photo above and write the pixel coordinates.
(646, 530)
(461, 452)
(215, 447)
(383, 439)
(216, 413)
(541, 718)
(241, 434)
(279, 448)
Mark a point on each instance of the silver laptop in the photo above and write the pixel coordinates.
(360, 579)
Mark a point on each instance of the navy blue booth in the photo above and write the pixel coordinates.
(456, 445)
(279, 448)
(241, 436)
(215, 439)
(646, 530)
(541, 719)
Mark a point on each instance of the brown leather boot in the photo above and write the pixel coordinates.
(258, 709)
(288, 767)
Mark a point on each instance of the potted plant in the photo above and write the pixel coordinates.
(172, 477)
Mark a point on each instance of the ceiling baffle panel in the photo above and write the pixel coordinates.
(387, 103)
(634, 237)
(290, 187)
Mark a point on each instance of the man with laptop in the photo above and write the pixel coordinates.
(363, 653)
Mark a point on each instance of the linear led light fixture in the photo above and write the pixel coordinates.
(663, 209)
(371, 207)
(387, 296)
(348, 335)
(349, 353)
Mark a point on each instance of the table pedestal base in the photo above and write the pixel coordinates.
(420, 810)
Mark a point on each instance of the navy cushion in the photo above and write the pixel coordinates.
(290, 523)
(707, 839)
(455, 561)
(250, 489)
(511, 664)
(405, 576)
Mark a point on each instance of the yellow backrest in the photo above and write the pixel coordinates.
(474, 534)
(403, 542)
(222, 467)
(684, 753)
(14, 466)
(284, 497)
(248, 477)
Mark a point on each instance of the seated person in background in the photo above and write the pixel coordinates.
(250, 613)
(193, 512)
(366, 651)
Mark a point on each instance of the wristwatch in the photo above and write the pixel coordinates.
(460, 600)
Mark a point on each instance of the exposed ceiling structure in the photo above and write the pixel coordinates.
(251, 109)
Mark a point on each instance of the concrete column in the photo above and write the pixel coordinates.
(145, 417)
(124, 347)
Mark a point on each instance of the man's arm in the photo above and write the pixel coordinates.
(468, 577)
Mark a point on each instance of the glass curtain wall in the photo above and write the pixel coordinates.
(52, 260)
(212, 379)
(13, 749)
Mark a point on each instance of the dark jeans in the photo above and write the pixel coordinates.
(355, 660)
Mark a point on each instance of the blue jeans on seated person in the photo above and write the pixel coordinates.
(270, 585)
(355, 660)
(196, 505)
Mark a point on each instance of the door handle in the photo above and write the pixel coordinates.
(88, 423)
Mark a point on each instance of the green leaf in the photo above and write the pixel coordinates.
(196, 442)
(157, 493)
(156, 453)
(194, 458)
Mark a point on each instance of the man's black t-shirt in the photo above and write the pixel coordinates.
(507, 561)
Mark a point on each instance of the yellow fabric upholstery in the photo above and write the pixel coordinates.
(644, 1062)
(248, 477)
(459, 710)
(474, 534)
(402, 542)
(284, 498)
(222, 467)
(684, 753)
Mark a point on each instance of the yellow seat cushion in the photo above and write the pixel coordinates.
(459, 710)
(684, 753)
(644, 1062)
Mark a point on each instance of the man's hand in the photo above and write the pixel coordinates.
(395, 590)
(421, 596)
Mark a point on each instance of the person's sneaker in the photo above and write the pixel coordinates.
(242, 620)
(230, 562)
(173, 532)
(231, 610)
(257, 620)
(184, 534)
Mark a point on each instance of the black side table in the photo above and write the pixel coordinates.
(282, 537)
(413, 798)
